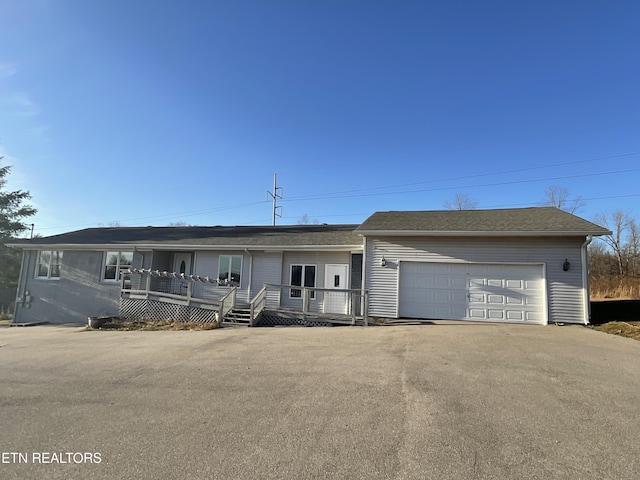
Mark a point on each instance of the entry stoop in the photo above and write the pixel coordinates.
(238, 315)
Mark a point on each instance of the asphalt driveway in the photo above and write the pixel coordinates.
(456, 401)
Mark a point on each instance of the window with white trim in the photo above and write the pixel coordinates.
(230, 269)
(49, 263)
(302, 276)
(114, 263)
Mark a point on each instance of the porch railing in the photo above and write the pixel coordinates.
(179, 289)
(228, 302)
(258, 304)
(315, 302)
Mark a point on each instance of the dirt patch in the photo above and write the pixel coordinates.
(142, 324)
(624, 329)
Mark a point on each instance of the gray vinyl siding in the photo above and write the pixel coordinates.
(565, 290)
(267, 268)
(76, 295)
(319, 259)
(207, 265)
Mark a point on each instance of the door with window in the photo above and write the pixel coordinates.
(181, 265)
(336, 277)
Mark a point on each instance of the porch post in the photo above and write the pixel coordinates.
(353, 310)
(366, 308)
(305, 303)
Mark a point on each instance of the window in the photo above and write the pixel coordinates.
(49, 262)
(302, 276)
(114, 263)
(230, 269)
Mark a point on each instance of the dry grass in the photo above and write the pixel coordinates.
(142, 324)
(624, 329)
(615, 288)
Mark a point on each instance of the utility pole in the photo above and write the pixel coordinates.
(275, 196)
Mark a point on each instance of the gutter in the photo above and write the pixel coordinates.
(182, 247)
(585, 278)
(483, 233)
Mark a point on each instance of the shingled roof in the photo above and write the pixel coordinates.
(229, 237)
(535, 221)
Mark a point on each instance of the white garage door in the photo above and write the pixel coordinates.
(460, 291)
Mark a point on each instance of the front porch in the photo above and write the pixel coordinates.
(161, 295)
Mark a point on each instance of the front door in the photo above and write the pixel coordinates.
(336, 277)
(181, 265)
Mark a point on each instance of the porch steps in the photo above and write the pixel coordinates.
(238, 315)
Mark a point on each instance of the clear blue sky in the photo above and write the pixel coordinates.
(146, 113)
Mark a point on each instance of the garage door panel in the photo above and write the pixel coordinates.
(483, 292)
(495, 299)
(515, 315)
(476, 298)
(515, 300)
(515, 284)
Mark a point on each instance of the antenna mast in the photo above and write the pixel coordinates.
(275, 196)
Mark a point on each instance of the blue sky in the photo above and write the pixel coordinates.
(147, 113)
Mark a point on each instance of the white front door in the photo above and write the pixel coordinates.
(182, 263)
(335, 278)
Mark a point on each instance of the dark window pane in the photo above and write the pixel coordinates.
(310, 276)
(55, 271)
(223, 269)
(110, 272)
(236, 268)
(126, 259)
(43, 270)
(112, 258)
(296, 275)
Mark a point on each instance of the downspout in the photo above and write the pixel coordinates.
(250, 274)
(585, 278)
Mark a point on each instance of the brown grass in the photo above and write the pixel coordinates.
(142, 324)
(615, 288)
(624, 329)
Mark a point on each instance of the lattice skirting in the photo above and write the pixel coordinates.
(270, 319)
(155, 310)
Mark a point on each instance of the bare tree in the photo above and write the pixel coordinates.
(461, 201)
(619, 223)
(306, 220)
(180, 223)
(632, 248)
(560, 197)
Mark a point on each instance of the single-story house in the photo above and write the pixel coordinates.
(526, 265)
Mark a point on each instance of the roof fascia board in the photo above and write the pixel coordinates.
(160, 246)
(429, 233)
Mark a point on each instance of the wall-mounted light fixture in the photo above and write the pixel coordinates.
(383, 262)
(566, 265)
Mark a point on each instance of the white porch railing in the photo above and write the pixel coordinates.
(313, 302)
(258, 304)
(178, 289)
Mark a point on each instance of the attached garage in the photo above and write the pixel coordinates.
(472, 291)
(519, 265)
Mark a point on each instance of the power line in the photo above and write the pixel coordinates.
(495, 184)
(465, 177)
(339, 194)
